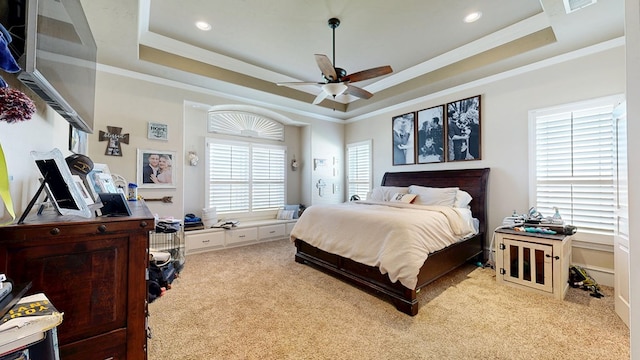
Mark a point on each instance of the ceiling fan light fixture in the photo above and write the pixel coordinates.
(334, 89)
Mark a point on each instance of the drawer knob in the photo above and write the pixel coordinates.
(143, 224)
(102, 228)
(555, 257)
(54, 231)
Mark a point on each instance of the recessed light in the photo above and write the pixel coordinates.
(204, 26)
(474, 16)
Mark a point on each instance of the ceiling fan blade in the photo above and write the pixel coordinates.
(320, 97)
(358, 92)
(326, 67)
(368, 74)
(299, 83)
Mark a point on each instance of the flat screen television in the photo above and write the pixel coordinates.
(56, 50)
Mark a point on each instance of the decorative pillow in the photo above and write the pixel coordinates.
(433, 196)
(403, 198)
(284, 214)
(384, 193)
(462, 199)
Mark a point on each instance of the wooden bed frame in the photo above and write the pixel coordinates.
(473, 181)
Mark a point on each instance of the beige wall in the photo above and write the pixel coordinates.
(504, 135)
(126, 101)
(45, 131)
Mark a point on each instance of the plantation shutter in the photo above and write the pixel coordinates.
(228, 177)
(268, 168)
(245, 177)
(359, 169)
(574, 154)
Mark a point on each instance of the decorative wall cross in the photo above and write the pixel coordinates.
(115, 137)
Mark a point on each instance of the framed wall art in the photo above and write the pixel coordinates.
(155, 169)
(158, 131)
(402, 130)
(431, 146)
(463, 129)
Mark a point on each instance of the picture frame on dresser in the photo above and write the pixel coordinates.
(59, 185)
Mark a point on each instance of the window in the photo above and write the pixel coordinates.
(359, 169)
(245, 177)
(574, 166)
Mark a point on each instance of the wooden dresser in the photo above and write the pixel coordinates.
(93, 270)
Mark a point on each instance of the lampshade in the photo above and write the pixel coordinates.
(334, 89)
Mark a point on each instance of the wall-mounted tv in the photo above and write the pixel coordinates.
(54, 46)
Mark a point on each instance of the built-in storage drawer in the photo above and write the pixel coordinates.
(271, 232)
(202, 241)
(242, 235)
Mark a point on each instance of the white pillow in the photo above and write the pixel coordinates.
(433, 196)
(403, 198)
(384, 193)
(462, 199)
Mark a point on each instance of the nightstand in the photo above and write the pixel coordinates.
(533, 261)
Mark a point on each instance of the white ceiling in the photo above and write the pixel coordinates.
(255, 43)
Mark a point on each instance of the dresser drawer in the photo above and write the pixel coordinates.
(271, 232)
(204, 241)
(237, 236)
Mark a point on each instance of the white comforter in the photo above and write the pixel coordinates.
(395, 237)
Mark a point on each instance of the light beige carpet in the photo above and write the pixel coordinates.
(256, 302)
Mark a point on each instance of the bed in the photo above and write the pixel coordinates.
(437, 264)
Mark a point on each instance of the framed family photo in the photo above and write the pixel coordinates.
(158, 131)
(431, 146)
(155, 169)
(402, 130)
(463, 129)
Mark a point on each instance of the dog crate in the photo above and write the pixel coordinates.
(537, 262)
(167, 247)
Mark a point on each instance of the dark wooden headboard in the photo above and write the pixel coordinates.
(473, 181)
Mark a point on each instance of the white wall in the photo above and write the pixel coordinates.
(45, 131)
(505, 105)
(130, 101)
(632, 33)
(195, 135)
(504, 134)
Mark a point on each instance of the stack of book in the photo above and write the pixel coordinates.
(27, 322)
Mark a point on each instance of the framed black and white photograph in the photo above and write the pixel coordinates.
(155, 169)
(158, 131)
(463, 129)
(431, 146)
(403, 139)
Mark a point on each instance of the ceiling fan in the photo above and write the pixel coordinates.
(336, 81)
